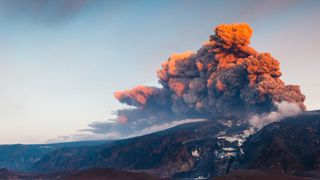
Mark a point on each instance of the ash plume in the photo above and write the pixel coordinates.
(224, 77)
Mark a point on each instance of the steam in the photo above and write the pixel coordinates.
(284, 109)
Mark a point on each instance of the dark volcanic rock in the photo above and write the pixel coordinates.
(257, 175)
(100, 173)
(281, 150)
(189, 150)
(90, 174)
(291, 146)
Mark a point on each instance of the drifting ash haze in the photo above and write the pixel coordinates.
(224, 77)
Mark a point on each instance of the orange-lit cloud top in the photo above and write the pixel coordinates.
(225, 76)
(233, 35)
(137, 96)
(170, 66)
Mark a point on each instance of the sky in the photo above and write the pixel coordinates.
(61, 61)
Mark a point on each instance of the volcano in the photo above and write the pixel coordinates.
(247, 123)
(204, 149)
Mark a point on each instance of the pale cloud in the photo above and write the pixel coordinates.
(85, 136)
(285, 109)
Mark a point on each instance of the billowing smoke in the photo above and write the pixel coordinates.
(225, 76)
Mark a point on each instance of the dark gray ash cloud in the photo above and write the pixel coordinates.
(225, 77)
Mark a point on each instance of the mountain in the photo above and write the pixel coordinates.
(92, 174)
(20, 157)
(199, 149)
(220, 147)
(203, 149)
(102, 173)
(291, 146)
(245, 174)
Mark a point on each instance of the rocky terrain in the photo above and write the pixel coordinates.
(221, 147)
(291, 146)
(260, 175)
(92, 174)
(102, 173)
(197, 149)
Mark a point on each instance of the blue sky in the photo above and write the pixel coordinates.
(61, 61)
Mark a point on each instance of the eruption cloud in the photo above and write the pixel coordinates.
(225, 77)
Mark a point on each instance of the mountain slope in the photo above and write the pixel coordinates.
(92, 174)
(100, 173)
(205, 149)
(189, 150)
(21, 157)
(258, 175)
(291, 146)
